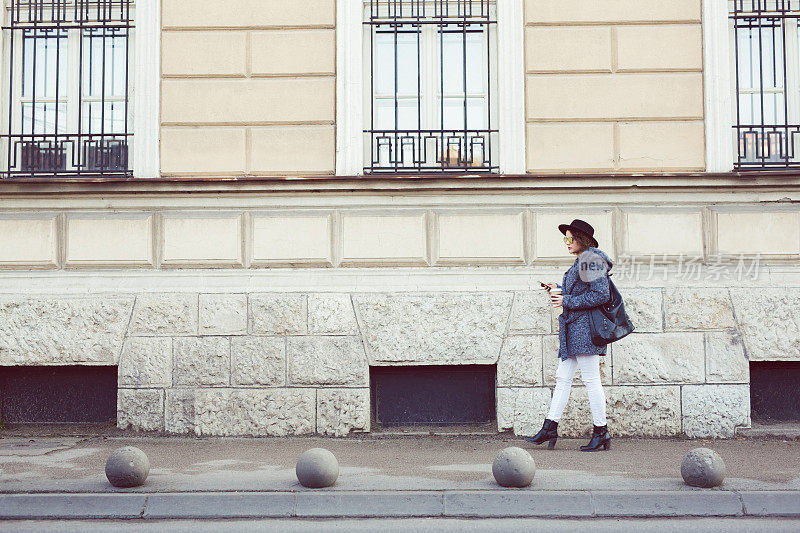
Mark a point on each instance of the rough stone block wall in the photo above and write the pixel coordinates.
(298, 363)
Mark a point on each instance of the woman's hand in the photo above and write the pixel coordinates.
(556, 300)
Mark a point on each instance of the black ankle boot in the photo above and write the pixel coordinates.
(600, 439)
(548, 432)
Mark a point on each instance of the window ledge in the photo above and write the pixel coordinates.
(343, 184)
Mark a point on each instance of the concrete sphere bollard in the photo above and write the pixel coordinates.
(513, 467)
(127, 467)
(703, 467)
(317, 468)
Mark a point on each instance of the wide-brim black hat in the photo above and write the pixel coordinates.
(579, 225)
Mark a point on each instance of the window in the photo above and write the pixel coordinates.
(67, 86)
(429, 84)
(766, 59)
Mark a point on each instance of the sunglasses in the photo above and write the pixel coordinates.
(569, 240)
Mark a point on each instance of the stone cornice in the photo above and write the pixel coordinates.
(687, 182)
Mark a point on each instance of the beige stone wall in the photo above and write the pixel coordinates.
(614, 85)
(248, 87)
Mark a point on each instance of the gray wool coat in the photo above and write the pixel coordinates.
(580, 296)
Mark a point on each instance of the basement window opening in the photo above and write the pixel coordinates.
(439, 396)
(773, 391)
(58, 394)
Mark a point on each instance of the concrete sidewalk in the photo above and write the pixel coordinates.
(50, 476)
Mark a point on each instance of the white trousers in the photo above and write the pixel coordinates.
(590, 374)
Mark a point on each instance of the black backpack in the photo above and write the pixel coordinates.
(609, 322)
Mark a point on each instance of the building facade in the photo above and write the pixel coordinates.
(248, 208)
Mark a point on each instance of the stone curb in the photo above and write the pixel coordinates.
(404, 504)
(72, 505)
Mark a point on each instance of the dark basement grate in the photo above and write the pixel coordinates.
(58, 394)
(774, 387)
(441, 396)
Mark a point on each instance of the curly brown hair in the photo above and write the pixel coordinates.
(581, 238)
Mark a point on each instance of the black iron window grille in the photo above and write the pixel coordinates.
(767, 68)
(67, 88)
(431, 73)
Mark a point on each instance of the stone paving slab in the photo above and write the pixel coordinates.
(327, 504)
(52, 464)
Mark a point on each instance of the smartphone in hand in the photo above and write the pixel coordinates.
(545, 286)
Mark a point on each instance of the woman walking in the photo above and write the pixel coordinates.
(585, 285)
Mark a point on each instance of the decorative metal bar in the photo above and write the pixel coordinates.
(429, 11)
(764, 8)
(53, 111)
(70, 13)
(449, 151)
(415, 125)
(767, 107)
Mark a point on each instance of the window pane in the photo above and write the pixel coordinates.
(384, 63)
(41, 118)
(453, 62)
(115, 71)
(103, 57)
(454, 113)
(760, 58)
(44, 57)
(774, 110)
(406, 114)
(751, 105)
(111, 117)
